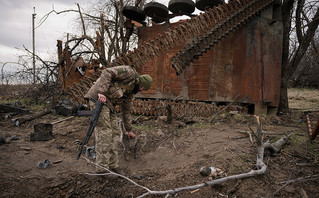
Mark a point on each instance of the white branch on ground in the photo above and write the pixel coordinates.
(261, 168)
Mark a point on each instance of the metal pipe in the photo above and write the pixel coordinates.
(33, 44)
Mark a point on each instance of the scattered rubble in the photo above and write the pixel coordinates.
(44, 165)
(42, 132)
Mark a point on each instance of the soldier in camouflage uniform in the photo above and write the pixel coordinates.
(115, 86)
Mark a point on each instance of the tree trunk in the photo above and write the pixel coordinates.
(287, 7)
(304, 40)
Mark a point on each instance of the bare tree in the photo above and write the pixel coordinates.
(305, 29)
(105, 33)
(307, 73)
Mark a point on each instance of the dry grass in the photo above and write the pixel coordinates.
(12, 91)
(303, 99)
(299, 98)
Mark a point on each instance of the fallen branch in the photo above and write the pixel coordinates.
(112, 173)
(24, 119)
(268, 133)
(165, 140)
(252, 131)
(300, 179)
(175, 147)
(277, 146)
(261, 168)
(12, 109)
(65, 119)
(248, 134)
(306, 178)
(306, 164)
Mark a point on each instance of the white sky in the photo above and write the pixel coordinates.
(16, 26)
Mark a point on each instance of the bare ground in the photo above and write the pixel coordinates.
(170, 158)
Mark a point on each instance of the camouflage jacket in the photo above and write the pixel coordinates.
(117, 84)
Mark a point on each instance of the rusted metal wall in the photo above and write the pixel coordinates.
(245, 66)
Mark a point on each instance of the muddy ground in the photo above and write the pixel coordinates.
(170, 156)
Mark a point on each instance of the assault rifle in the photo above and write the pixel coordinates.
(93, 121)
(95, 114)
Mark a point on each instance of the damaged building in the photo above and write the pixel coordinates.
(229, 53)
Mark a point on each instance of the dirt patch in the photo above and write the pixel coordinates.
(170, 158)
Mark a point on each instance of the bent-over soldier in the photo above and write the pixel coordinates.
(115, 86)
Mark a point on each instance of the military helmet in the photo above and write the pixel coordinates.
(146, 81)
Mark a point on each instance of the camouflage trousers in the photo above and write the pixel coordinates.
(107, 137)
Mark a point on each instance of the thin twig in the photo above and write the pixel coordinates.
(68, 118)
(165, 139)
(83, 26)
(113, 173)
(252, 131)
(175, 147)
(306, 178)
(249, 135)
(223, 109)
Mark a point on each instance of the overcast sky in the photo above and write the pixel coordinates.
(16, 26)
